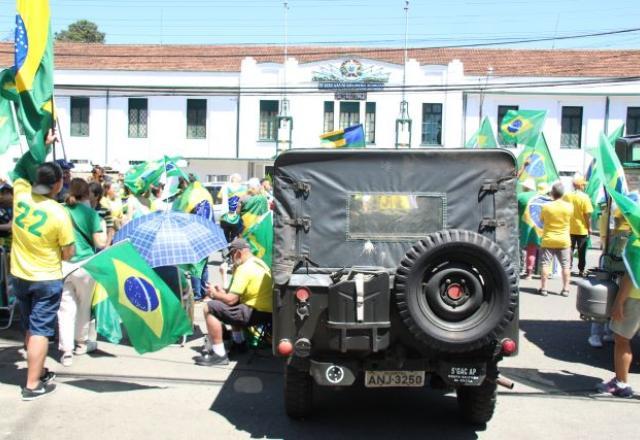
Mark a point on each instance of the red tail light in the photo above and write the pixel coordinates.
(509, 346)
(285, 347)
(303, 294)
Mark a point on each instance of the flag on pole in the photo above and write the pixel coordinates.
(149, 310)
(34, 73)
(522, 126)
(540, 165)
(484, 137)
(351, 137)
(609, 167)
(140, 178)
(171, 177)
(260, 238)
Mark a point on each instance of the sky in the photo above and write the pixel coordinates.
(352, 22)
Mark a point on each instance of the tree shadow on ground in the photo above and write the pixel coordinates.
(567, 341)
(252, 400)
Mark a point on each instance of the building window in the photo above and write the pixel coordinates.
(328, 116)
(349, 114)
(196, 118)
(571, 136)
(79, 116)
(502, 111)
(138, 117)
(431, 124)
(370, 123)
(633, 120)
(268, 116)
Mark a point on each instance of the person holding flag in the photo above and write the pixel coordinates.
(42, 238)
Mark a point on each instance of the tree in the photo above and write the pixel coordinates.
(82, 31)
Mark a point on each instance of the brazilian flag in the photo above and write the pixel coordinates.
(540, 166)
(107, 319)
(149, 310)
(522, 126)
(484, 137)
(34, 73)
(260, 238)
(609, 168)
(350, 137)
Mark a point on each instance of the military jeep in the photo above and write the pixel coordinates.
(395, 268)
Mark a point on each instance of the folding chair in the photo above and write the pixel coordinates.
(262, 335)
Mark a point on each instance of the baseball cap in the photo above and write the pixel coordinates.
(238, 244)
(64, 164)
(47, 175)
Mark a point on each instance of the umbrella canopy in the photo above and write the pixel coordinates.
(172, 238)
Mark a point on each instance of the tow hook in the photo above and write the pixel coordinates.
(302, 310)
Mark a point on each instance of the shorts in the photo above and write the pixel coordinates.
(240, 315)
(630, 325)
(38, 302)
(563, 255)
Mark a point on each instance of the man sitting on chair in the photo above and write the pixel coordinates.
(247, 303)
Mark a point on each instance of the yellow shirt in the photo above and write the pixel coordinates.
(581, 208)
(556, 217)
(635, 293)
(41, 227)
(252, 282)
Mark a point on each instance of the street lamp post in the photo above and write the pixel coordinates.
(403, 123)
(482, 91)
(284, 121)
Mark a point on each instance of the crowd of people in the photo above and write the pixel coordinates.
(52, 221)
(562, 236)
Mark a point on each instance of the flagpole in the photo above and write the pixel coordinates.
(15, 124)
(53, 124)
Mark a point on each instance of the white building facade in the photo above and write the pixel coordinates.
(227, 121)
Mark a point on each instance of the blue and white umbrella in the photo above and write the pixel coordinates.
(172, 238)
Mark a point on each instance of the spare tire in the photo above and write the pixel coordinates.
(456, 290)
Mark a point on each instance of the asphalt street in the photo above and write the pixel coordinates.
(115, 393)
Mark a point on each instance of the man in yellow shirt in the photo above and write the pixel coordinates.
(42, 238)
(580, 224)
(556, 239)
(247, 303)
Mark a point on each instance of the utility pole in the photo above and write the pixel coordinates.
(482, 91)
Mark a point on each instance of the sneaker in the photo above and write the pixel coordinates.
(211, 359)
(543, 292)
(614, 389)
(47, 376)
(595, 341)
(564, 292)
(85, 347)
(41, 390)
(66, 359)
(608, 337)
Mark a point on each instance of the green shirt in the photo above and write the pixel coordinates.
(86, 222)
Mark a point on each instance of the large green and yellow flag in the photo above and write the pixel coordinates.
(149, 310)
(34, 72)
(260, 238)
(594, 179)
(609, 168)
(8, 130)
(540, 167)
(522, 126)
(484, 137)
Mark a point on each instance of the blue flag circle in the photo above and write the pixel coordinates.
(141, 294)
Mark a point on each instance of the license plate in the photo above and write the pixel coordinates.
(466, 374)
(393, 379)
